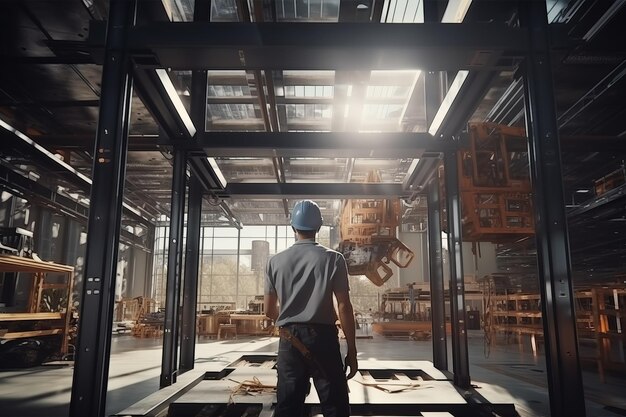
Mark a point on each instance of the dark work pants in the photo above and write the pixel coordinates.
(294, 372)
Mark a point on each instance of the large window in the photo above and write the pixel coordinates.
(227, 272)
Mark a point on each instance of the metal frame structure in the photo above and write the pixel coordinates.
(89, 385)
(169, 364)
(435, 266)
(458, 320)
(553, 257)
(480, 48)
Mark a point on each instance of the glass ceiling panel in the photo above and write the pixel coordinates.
(307, 10)
(315, 169)
(309, 91)
(247, 169)
(232, 102)
(390, 170)
(224, 11)
(179, 10)
(228, 91)
(403, 11)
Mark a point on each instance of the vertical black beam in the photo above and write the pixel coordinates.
(434, 10)
(174, 259)
(460, 360)
(190, 289)
(555, 279)
(194, 214)
(435, 264)
(91, 371)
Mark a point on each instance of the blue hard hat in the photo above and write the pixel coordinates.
(306, 215)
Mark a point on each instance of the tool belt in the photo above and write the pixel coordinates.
(306, 353)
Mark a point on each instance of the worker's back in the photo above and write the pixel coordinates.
(304, 277)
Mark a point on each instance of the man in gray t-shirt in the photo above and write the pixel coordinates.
(299, 286)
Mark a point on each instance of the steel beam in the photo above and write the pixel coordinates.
(435, 267)
(555, 279)
(91, 371)
(190, 286)
(331, 144)
(460, 359)
(319, 46)
(169, 362)
(314, 190)
(194, 216)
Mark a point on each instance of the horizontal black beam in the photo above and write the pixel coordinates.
(318, 144)
(311, 46)
(313, 190)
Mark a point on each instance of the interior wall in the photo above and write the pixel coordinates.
(139, 273)
(479, 259)
(417, 271)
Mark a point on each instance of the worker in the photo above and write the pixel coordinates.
(299, 286)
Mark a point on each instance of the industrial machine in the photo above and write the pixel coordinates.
(494, 183)
(368, 237)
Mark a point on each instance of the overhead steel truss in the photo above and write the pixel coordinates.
(320, 46)
(314, 144)
(480, 48)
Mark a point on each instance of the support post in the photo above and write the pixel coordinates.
(553, 258)
(194, 213)
(91, 372)
(190, 289)
(435, 267)
(169, 363)
(460, 360)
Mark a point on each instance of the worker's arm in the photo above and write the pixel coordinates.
(270, 299)
(346, 317)
(271, 305)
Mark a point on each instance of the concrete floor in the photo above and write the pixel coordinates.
(510, 374)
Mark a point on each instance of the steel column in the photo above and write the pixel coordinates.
(435, 264)
(194, 214)
(190, 285)
(169, 363)
(553, 258)
(460, 360)
(91, 372)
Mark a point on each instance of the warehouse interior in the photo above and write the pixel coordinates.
(468, 157)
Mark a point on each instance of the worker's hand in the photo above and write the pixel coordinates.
(351, 363)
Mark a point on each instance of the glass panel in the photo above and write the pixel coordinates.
(309, 111)
(307, 10)
(224, 11)
(228, 91)
(403, 11)
(382, 111)
(179, 10)
(231, 111)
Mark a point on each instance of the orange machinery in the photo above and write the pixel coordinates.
(368, 233)
(494, 183)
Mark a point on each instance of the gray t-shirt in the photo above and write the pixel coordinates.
(304, 278)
